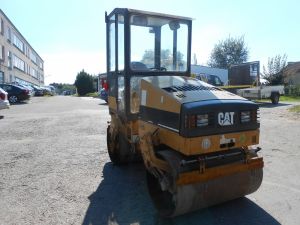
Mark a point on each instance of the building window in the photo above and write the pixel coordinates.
(1, 77)
(9, 64)
(1, 26)
(18, 43)
(26, 50)
(2, 53)
(8, 33)
(33, 72)
(20, 81)
(19, 63)
(41, 65)
(41, 78)
(33, 57)
(11, 78)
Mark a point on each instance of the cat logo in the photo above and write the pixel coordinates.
(226, 118)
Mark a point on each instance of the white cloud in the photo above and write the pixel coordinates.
(62, 67)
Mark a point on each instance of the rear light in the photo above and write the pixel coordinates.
(202, 120)
(26, 92)
(190, 121)
(2, 96)
(245, 116)
(255, 116)
(194, 121)
(249, 116)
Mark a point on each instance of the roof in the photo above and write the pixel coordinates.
(292, 68)
(135, 11)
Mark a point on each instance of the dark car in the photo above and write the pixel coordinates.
(38, 91)
(211, 79)
(67, 92)
(47, 90)
(15, 92)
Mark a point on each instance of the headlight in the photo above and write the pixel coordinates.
(193, 121)
(245, 116)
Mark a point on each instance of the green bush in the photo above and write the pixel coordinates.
(292, 90)
(92, 94)
(84, 83)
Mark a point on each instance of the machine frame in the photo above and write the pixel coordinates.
(127, 72)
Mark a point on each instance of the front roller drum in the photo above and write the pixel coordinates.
(191, 197)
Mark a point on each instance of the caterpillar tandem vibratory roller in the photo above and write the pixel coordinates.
(197, 142)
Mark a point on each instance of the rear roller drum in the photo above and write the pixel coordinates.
(119, 149)
(113, 147)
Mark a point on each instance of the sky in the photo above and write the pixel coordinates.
(69, 35)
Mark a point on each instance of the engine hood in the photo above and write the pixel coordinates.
(170, 101)
(187, 89)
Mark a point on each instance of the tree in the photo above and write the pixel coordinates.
(229, 52)
(166, 58)
(84, 83)
(273, 72)
(60, 88)
(148, 57)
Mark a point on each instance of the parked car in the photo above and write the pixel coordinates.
(67, 92)
(47, 90)
(211, 79)
(103, 94)
(38, 91)
(4, 103)
(53, 91)
(16, 93)
(31, 90)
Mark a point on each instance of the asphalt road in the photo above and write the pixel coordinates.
(54, 169)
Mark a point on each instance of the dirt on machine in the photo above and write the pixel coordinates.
(198, 142)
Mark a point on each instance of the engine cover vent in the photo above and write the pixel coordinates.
(190, 88)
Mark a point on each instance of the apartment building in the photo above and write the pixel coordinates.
(19, 62)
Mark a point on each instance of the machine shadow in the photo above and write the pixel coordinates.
(122, 198)
(241, 211)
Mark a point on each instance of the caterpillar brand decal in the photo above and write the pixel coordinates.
(225, 119)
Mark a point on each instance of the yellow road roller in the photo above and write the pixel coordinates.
(198, 142)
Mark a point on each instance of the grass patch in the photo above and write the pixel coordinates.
(281, 99)
(93, 94)
(290, 98)
(295, 109)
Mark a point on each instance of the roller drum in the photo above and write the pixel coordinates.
(191, 197)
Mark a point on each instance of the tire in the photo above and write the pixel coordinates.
(275, 98)
(13, 99)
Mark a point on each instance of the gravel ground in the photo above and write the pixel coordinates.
(54, 169)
